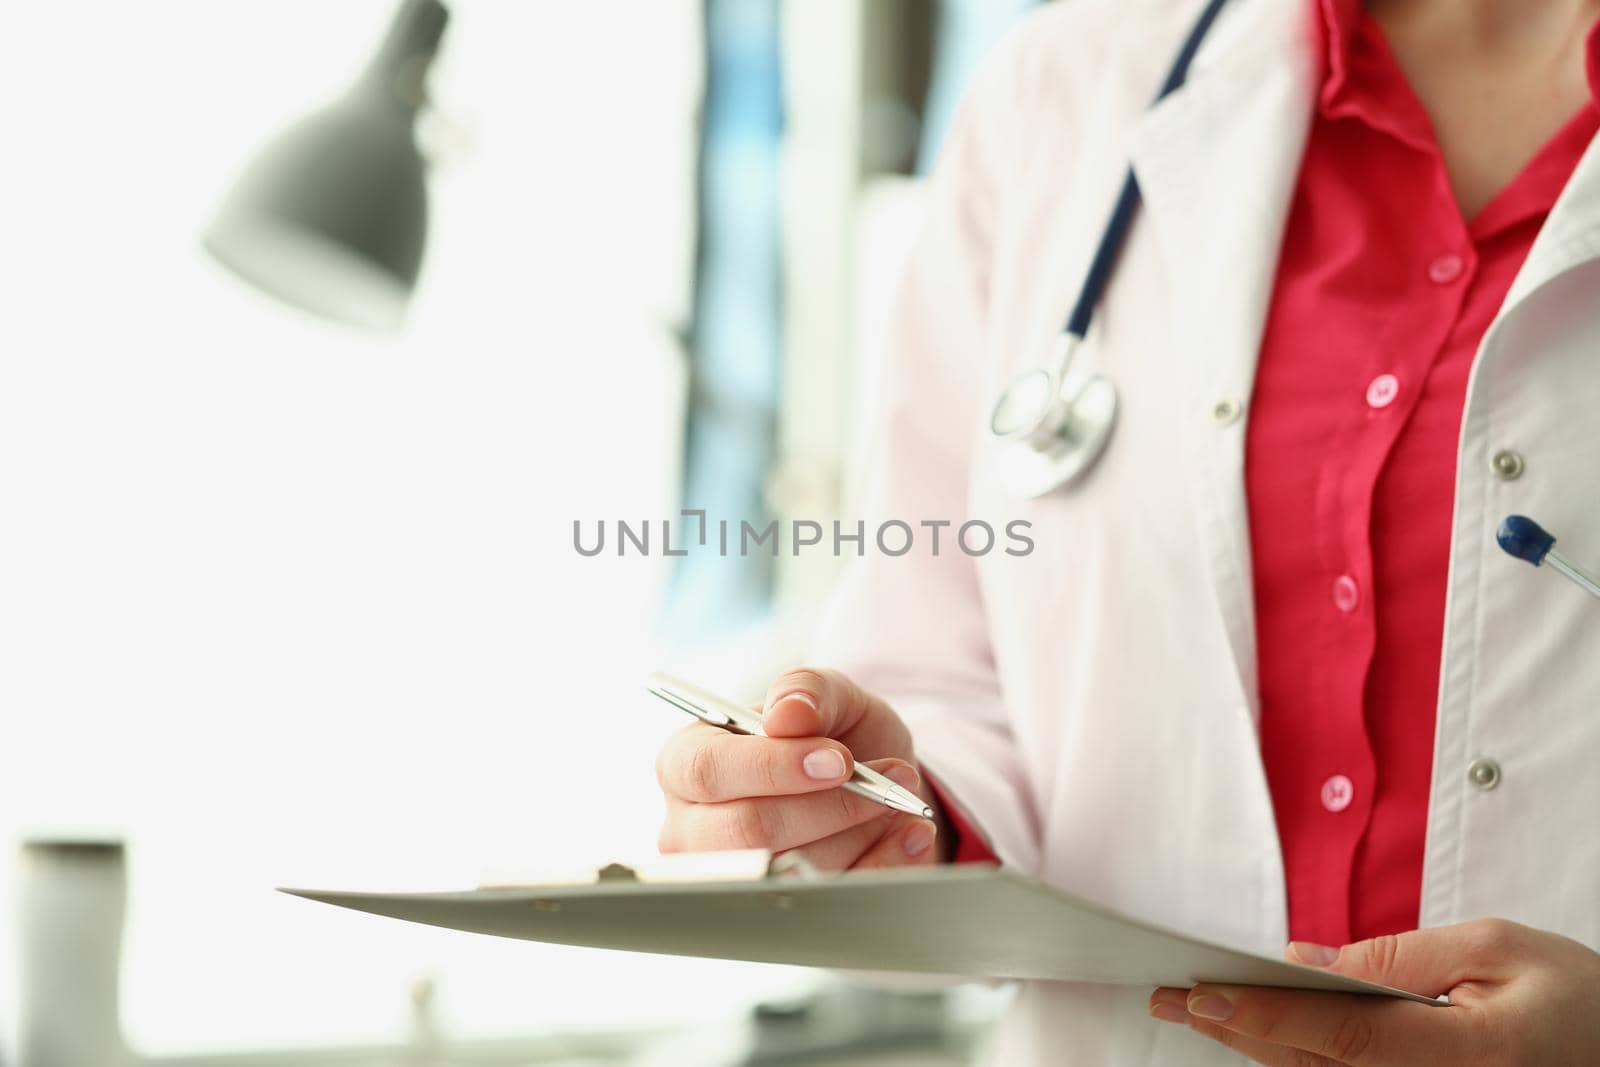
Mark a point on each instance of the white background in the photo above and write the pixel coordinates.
(286, 604)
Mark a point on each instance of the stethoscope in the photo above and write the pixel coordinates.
(1050, 424)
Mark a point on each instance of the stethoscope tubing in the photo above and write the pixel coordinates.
(1052, 428)
(1115, 234)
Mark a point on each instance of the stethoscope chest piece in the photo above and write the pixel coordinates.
(1051, 425)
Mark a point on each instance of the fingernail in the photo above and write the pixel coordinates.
(1211, 1006)
(1169, 1013)
(1312, 954)
(798, 697)
(918, 839)
(904, 777)
(823, 764)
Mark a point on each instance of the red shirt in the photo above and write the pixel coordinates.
(1382, 295)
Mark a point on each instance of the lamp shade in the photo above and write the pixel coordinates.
(332, 216)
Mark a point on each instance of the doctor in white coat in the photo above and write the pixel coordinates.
(1092, 709)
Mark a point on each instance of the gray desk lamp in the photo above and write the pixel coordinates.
(332, 216)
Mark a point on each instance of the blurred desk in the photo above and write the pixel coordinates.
(604, 1052)
(930, 1057)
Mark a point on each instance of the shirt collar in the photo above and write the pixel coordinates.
(1361, 79)
(1336, 25)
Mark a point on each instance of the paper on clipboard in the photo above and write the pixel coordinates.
(972, 921)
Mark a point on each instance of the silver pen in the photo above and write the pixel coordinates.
(736, 718)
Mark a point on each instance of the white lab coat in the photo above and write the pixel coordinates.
(1093, 706)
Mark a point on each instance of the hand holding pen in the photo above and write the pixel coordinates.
(783, 791)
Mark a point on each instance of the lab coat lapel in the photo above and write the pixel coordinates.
(1216, 163)
(1570, 235)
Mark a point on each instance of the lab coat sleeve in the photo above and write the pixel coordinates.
(913, 628)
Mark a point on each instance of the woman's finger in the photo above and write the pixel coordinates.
(1170, 1005)
(779, 823)
(805, 702)
(705, 765)
(1262, 1052)
(1346, 1028)
(909, 841)
(842, 850)
(1430, 961)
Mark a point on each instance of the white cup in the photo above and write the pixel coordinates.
(72, 897)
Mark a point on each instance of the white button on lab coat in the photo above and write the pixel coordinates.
(1093, 705)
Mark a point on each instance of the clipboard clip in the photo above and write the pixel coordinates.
(684, 868)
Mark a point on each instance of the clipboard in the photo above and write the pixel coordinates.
(973, 921)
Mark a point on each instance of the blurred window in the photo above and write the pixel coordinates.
(967, 30)
(737, 324)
